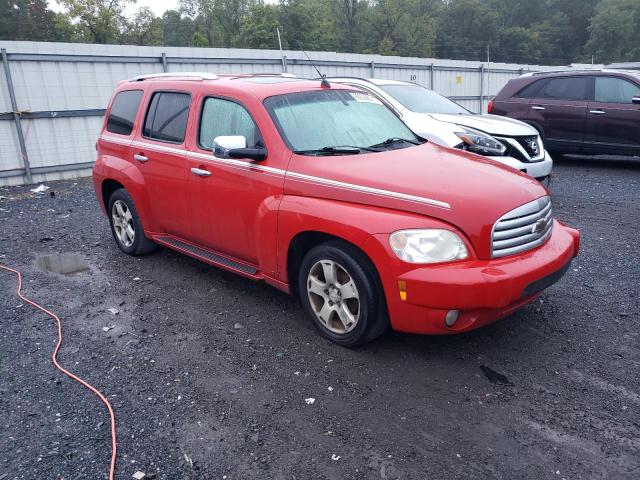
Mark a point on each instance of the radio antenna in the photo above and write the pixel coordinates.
(324, 82)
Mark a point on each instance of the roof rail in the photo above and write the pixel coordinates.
(189, 75)
(259, 74)
(566, 70)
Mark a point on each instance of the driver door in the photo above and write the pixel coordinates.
(228, 197)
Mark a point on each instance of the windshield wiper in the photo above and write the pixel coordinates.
(394, 140)
(337, 150)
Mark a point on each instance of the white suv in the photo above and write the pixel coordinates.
(444, 122)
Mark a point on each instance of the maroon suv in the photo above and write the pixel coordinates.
(590, 112)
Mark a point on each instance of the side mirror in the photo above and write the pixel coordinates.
(235, 146)
(635, 100)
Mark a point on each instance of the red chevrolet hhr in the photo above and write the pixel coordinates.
(320, 190)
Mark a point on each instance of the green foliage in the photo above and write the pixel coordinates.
(520, 31)
(615, 31)
(26, 20)
(102, 20)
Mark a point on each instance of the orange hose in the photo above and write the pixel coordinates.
(54, 356)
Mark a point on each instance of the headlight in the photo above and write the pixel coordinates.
(427, 246)
(478, 142)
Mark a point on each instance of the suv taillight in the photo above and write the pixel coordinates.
(490, 106)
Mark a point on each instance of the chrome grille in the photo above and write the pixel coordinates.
(527, 149)
(523, 228)
(530, 145)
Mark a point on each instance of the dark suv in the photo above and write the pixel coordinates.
(590, 112)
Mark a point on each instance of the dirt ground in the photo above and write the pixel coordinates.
(208, 372)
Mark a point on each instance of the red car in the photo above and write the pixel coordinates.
(321, 191)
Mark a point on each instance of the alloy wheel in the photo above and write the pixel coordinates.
(333, 296)
(123, 223)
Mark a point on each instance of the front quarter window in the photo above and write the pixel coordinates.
(343, 120)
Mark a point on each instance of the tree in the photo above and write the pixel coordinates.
(522, 31)
(103, 19)
(26, 20)
(259, 27)
(177, 29)
(467, 27)
(144, 28)
(615, 31)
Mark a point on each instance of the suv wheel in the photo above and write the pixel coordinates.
(341, 293)
(126, 225)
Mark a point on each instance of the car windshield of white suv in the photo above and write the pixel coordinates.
(421, 100)
(337, 122)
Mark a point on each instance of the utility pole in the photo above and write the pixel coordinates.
(487, 77)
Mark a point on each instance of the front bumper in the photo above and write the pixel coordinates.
(483, 291)
(539, 169)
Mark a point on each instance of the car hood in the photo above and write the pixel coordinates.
(465, 190)
(492, 124)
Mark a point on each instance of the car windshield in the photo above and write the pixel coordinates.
(337, 122)
(421, 100)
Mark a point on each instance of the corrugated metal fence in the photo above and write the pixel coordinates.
(54, 94)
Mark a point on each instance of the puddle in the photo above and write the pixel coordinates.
(64, 263)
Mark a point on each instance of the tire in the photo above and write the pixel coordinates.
(350, 310)
(123, 211)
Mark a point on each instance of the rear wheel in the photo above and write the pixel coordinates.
(126, 226)
(341, 293)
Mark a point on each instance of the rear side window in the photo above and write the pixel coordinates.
(167, 116)
(615, 90)
(224, 117)
(532, 90)
(566, 88)
(123, 112)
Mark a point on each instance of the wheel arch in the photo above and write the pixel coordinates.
(304, 241)
(114, 173)
(109, 186)
(305, 222)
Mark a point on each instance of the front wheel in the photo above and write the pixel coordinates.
(340, 291)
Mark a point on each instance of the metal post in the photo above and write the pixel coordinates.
(282, 57)
(431, 76)
(16, 117)
(481, 88)
(373, 69)
(165, 67)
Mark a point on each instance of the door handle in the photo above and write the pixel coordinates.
(201, 172)
(140, 158)
(597, 112)
(537, 107)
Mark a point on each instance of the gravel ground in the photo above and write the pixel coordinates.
(208, 372)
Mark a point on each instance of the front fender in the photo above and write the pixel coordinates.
(354, 223)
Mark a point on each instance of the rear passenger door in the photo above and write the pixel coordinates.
(560, 108)
(614, 120)
(159, 152)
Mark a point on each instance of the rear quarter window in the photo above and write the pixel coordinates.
(123, 112)
(532, 90)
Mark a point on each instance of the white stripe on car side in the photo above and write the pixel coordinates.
(276, 171)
